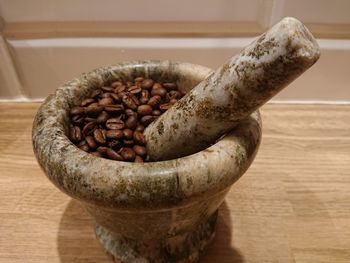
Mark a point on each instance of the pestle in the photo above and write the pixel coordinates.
(232, 92)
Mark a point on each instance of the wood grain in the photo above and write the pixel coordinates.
(292, 206)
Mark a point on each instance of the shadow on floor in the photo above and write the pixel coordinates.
(77, 243)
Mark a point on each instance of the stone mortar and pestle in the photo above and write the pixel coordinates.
(166, 210)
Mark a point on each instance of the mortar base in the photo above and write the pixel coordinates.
(184, 248)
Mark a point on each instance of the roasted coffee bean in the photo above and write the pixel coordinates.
(102, 118)
(169, 86)
(138, 159)
(97, 154)
(115, 144)
(139, 138)
(128, 133)
(128, 142)
(100, 136)
(139, 79)
(102, 149)
(175, 94)
(118, 108)
(75, 134)
(134, 89)
(127, 153)
(144, 96)
(78, 119)
(106, 101)
(116, 84)
(154, 101)
(140, 150)
(114, 134)
(114, 155)
(131, 122)
(173, 101)
(77, 110)
(146, 120)
(91, 142)
(144, 110)
(116, 115)
(147, 83)
(165, 106)
(84, 147)
(88, 128)
(108, 88)
(140, 128)
(156, 112)
(115, 124)
(129, 102)
(96, 93)
(159, 91)
(93, 109)
(86, 102)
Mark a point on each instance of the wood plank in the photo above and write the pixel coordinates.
(292, 206)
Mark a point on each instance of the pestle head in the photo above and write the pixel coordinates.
(232, 92)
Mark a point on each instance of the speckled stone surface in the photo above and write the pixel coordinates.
(153, 212)
(240, 86)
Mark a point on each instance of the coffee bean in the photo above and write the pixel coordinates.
(102, 149)
(129, 102)
(115, 124)
(140, 128)
(106, 101)
(170, 86)
(77, 110)
(99, 136)
(144, 96)
(128, 142)
(131, 122)
(156, 112)
(165, 106)
(78, 119)
(159, 91)
(144, 110)
(91, 142)
(93, 109)
(154, 101)
(140, 150)
(138, 159)
(102, 118)
(114, 155)
(147, 83)
(115, 144)
(75, 134)
(114, 134)
(116, 84)
(118, 108)
(86, 102)
(134, 89)
(128, 133)
(146, 120)
(127, 153)
(88, 128)
(124, 109)
(108, 88)
(139, 138)
(96, 93)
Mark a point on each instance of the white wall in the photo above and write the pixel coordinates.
(44, 43)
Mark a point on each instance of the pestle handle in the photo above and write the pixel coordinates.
(231, 93)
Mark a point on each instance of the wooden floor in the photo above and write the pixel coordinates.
(293, 204)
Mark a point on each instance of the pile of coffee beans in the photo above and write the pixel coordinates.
(110, 122)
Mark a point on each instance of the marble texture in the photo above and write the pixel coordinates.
(153, 212)
(236, 89)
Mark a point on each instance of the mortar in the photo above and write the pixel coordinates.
(152, 212)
